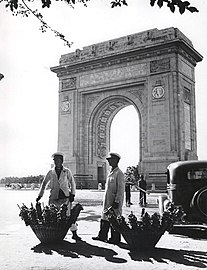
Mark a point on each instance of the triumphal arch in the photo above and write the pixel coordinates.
(151, 70)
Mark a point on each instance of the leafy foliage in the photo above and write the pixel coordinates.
(118, 3)
(132, 174)
(146, 222)
(23, 180)
(49, 215)
(23, 8)
(171, 4)
(182, 5)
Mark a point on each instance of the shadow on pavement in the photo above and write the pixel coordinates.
(89, 202)
(80, 248)
(196, 259)
(191, 233)
(89, 215)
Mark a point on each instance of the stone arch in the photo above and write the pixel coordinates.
(155, 72)
(100, 123)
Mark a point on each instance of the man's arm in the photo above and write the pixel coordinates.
(72, 185)
(120, 187)
(43, 185)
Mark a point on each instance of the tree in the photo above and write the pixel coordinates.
(132, 174)
(23, 180)
(171, 4)
(23, 8)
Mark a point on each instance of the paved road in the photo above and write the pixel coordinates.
(20, 249)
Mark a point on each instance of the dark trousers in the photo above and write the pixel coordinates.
(128, 194)
(142, 198)
(104, 229)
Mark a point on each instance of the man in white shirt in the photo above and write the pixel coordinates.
(62, 187)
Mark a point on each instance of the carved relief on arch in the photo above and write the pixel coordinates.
(187, 95)
(160, 65)
(138, 92)
(91, 101)
(69, 83)
(102, 125)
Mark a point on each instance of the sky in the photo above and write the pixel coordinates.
(29, 90)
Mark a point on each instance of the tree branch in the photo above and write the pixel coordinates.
(23, 9)
(45, 26)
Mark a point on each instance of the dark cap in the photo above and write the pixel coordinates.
(112, 154)
(57, 154)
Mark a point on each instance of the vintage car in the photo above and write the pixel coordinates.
(187, 187)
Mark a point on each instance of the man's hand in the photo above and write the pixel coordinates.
(38, 198)
(71, 197)
(115, 205)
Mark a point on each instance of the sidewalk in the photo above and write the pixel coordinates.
(20, 248)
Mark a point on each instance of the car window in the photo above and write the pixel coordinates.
(197, 174)
(168, 177)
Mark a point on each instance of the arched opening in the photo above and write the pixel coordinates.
(124, 136)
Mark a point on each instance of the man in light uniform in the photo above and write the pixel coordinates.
(114, 196)
(62, 187)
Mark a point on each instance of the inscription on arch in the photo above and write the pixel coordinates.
(121, 73)
(104, 118)
(160, 65)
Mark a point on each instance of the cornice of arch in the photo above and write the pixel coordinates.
(171, 47)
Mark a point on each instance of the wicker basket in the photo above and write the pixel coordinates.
(50, 234)
(136, 238)
(141, 239)
(56, 232)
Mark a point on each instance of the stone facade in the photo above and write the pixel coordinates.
(153, 71)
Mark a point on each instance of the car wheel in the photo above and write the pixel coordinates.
(199, 201)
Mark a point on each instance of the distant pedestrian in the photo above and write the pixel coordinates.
(128, 185)
(142, 186)
(113, 196)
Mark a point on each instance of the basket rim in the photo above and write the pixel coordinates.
(55, 225)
